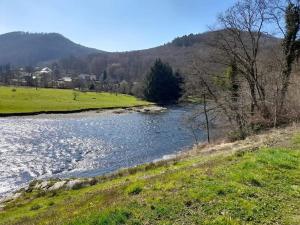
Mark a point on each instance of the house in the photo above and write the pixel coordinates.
(87, 77)
(44, 77)
(65, 82)
(66, 79)
(46, 70)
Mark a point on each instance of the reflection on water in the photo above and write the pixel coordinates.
(85, 146)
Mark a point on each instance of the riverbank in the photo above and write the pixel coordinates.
(215, 184)
(150, 108)
(22, 101)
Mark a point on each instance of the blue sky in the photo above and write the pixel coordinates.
(112, 25)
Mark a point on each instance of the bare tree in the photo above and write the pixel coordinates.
(201, 119)
(241, 40)
(252, 79)
(239, 86)
(224, 91)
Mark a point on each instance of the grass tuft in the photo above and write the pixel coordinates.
(134, 189)
(35, 207)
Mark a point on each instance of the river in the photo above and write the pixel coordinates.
(87, 144)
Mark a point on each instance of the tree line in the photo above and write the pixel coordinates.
(246, 81)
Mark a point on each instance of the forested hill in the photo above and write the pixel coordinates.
(131, 66)
(19, 48)
(22, 48)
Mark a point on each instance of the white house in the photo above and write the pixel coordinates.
(65, 82)
(45, 70)
(88, 77)
(66, 79)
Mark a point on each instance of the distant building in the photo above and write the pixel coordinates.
(66, 79)
(87, 77)
(45, 70)
(44, 77)
(65, 82)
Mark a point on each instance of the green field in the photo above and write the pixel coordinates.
(250, 186)
(26, 100)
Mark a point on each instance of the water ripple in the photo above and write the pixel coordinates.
(33, 148)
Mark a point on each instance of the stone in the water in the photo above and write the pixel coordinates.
(119, 111)
(150, 109)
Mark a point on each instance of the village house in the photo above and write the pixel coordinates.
(87, 77)
(43, 77)
(65, 82)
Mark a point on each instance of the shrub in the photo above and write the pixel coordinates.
(51, 203)
(255, 182)
(134, 189)
(150, 166)
(77, 186)
(40, 193)
(133, 170)
(35, 207)
(235, 136)
(93, 181)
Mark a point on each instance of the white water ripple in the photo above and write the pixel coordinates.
(34, 147)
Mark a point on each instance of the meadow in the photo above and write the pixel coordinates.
(31, 100)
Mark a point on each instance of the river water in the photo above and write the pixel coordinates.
(87, 145)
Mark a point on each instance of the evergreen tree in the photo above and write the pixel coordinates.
(162, 85)
(104, 77)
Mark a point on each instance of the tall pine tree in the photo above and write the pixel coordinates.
(162, 85)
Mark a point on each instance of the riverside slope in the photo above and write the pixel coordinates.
(255, 181)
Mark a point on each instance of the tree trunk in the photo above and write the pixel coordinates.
(206, 118)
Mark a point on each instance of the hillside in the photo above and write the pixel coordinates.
(20, 48)
(132, 66)
(209, 185)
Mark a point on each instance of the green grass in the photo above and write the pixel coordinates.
(251, 187)
(26, 100)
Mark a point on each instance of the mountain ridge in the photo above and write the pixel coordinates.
(25, 48)
(72, 58)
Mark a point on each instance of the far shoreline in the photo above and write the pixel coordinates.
(97, 110)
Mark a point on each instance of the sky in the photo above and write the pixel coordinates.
(112, 25)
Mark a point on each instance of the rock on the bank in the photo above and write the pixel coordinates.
(151, 109)
(74, 184)
(57, 185)
(43, 185)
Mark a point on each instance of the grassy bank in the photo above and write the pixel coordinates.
(250, 182)
(28, 100)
